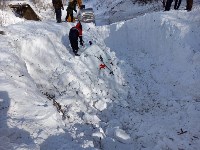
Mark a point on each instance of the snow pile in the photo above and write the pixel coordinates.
(160, 60)
(42, 63)
(7, 17)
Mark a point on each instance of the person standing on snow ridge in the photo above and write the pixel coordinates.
(177, 4)
(168, 5)
(71, 7)
(58, 5)
(189, 5)
(75, 33)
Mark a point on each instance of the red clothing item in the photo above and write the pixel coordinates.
(79, 28)
(102, 66)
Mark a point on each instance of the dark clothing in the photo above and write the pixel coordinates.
(57, 4)
(73, 37)
(74, 34)
(164, 3)
(168, 5)
(71, 17)
(58, 15)
(189, 5)
(177, 4)
(71, 7)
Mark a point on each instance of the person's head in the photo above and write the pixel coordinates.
(78, 25)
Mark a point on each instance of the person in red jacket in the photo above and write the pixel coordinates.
(75, 33)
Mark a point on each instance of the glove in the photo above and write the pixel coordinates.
(62, 8)
(75, 11)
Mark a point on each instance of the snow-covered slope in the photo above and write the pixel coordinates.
(151, 101)
(37, 59)
(160, 60)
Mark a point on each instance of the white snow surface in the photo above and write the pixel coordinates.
(151, 101)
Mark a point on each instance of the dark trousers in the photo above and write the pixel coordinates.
(71, 15)
(177, 4)
(189, 5)
(58, 15)
(168, 5)
(74, 45)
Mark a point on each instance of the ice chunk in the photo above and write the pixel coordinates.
(122, 136)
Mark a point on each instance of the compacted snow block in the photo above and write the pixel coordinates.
(25, 11)
(122, 136)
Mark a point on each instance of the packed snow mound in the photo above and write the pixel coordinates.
(50, 70)
(160, 61)
(165, 49)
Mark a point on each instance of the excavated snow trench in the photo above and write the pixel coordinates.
(156, 61)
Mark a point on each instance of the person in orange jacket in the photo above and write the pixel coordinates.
(71, 7)
(79, 3)
(75, 33)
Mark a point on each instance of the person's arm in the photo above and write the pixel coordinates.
(81, 40)
(74, 7)
(62, 5)
(53, 2)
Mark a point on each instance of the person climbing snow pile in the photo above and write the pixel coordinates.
(75, 33)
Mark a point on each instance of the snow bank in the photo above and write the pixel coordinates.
(49, 68)
(160, 66)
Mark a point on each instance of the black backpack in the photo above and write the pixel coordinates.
(73, 33)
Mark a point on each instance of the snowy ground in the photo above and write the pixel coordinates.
(152, 100)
